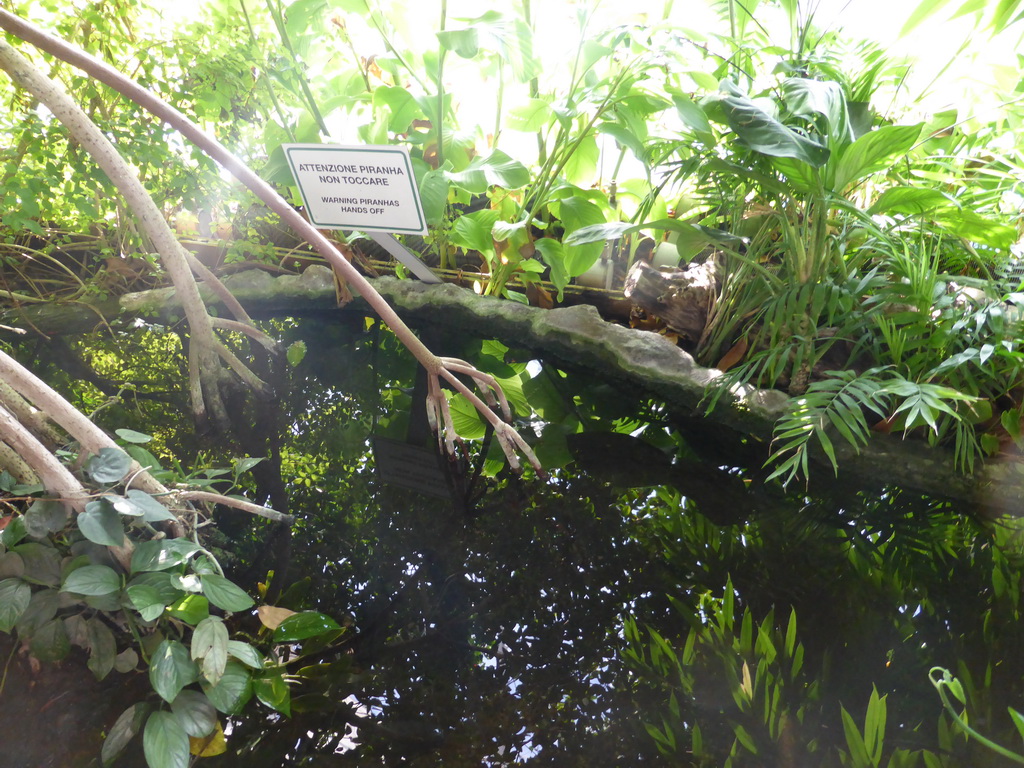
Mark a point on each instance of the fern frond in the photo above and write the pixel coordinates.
(840, 402)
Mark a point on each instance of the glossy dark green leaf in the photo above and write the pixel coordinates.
(41, 608)
(162, 554)
(765, 134)
(146, 600)
(124, 729)
(100, 523)
(274, 692)
(225, 594)
(233, 689)
(140, 504)
(50, 642)
(165, 742)
(42, 563)
(102, 648)
(195, 713)
(108, 466)
(171, 669)
(131, 436)
(92, 580)
(245, 653)
(14, 598)
(13, 533)
(45, 516)
(304, 625)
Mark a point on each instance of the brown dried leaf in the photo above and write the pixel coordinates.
(271, 616)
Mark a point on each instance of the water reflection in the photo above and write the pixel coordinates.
(648, 591)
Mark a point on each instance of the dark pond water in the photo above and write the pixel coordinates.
(651, 601)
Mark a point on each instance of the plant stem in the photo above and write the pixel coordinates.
(442, 51)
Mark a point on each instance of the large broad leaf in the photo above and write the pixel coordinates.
(45, 516)
(165, 742)
(304, 625)
(693, 118)
(162, 554)
(576, 213)
(14, 598)
(100, 523)
(50, 642)
(402, 105)
(553, 253)
(233, 689)
(530, 116)
(763, 133)
(811, 98)
(93, 580)
(140, 504)
(274, 692)
(102, 648)
(509, 36)
(196, 714)
(210, 644)
(494, 169)
(873, 152)
(473, 232)
(108, 466)
(171, 669)
(225, 594)
(123, 731)
(976, 228)
(910, 201)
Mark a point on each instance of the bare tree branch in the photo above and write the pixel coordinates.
(434, 365)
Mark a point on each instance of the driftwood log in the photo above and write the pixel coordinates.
(682, 298)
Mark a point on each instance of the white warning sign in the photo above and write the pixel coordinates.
(366, 187)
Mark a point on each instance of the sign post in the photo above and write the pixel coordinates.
(366, 187)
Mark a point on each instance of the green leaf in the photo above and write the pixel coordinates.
(102, 648)
(45, 516)
(162, 554)
(243, 465)
(401, 105)
(124, 729)
(693, 118)
(147, 601)
(131, 436)
(296, 353)
(50, 642)
(304, 625)
(434, 196)
(13, 533)
(14, 598)
(42, 563)
(140, 504)
(165, 742)
(473, 232)
(763, 133)
(245, 653)
(144, 457)
(195, 713)
(191, 609)
(108, 466)
(576, 213)
(100, 523)
(910, 201)
(93, 580)
(171, 669)
(210, 643)
(808, 98)
(874, 151)
(553, 253)
(225, 594)
(233, 689)
(530, 116)
(854, 740)
(494, 169)
(274, 692)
